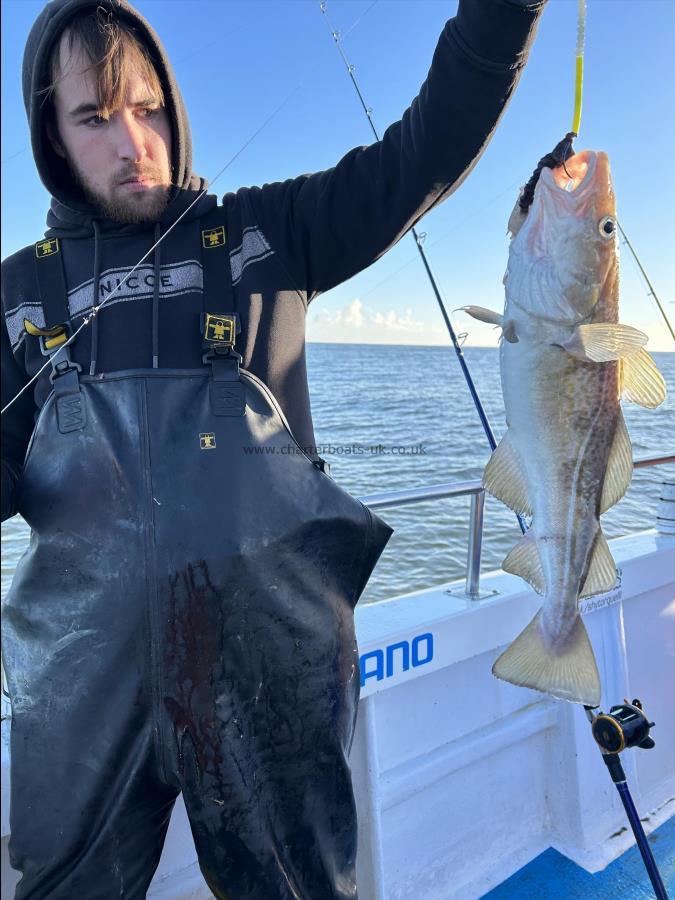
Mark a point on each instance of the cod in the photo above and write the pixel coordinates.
(566, 458)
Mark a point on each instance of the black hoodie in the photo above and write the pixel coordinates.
(289, 241)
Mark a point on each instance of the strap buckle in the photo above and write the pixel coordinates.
(322, 465)
(61, 361)
(65, 369)
(227, 390)
(65, 378)
(50, 339)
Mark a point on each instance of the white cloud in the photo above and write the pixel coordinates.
(354, 317)
(356, 323)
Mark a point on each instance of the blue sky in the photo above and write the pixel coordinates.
(237, 60)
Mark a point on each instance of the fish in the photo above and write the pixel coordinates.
(566, 364)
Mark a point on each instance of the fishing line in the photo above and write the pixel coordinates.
(356, 22)
(419, 239)
(13, 155)
(651, 292)
(96, 309)
(576, 122)
(579, 67)
(442, 236)
(563, 149)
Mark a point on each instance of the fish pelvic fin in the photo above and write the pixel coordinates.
(568, 672)
(640, 381)
(505, 480)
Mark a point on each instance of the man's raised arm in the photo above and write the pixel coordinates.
(330, 225)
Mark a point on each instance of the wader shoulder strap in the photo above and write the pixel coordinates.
(51, 281)
(215, 250)
(220, 323)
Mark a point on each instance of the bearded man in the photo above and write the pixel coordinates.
(183, 620)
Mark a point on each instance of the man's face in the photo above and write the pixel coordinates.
(121, 158)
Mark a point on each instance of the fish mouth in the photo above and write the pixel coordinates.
(583, 169)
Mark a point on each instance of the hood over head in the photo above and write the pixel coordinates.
(70, 211)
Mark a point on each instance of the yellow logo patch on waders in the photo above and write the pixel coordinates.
(207, 441)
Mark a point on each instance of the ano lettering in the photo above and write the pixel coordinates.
(388, 661)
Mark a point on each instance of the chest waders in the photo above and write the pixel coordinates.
(182, 621)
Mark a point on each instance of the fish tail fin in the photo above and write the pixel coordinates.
(570, 673)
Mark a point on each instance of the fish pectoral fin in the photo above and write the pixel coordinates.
(569, 672)
(523, 560)
(619, 467)
(493, 318)
(509, 332)
(504, 478)
(483, 314)
(604, 342)
(602, 570)
(640, 381)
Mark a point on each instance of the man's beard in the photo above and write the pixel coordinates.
(135, 208)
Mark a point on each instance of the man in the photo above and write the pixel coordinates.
(183, 619)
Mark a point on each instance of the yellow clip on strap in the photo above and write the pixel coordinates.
(53, 337)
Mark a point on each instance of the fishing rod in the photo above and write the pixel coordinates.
(625, 726)
(419, 240)
(651, 292)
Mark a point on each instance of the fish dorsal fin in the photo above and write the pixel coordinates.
(504, 479)
(619, 467)
(602, 570)
(640, 381)
(604, 342)
(524, 561)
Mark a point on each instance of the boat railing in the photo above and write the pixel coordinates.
(475, 490)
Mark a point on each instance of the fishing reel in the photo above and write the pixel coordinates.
(624, 726)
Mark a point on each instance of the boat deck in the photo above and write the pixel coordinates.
(551, 875)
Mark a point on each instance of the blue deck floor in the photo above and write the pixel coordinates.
(552, 876)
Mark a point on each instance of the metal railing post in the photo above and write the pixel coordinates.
(473, 557)
(408, 496)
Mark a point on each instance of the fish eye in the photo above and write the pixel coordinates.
(607, 227)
